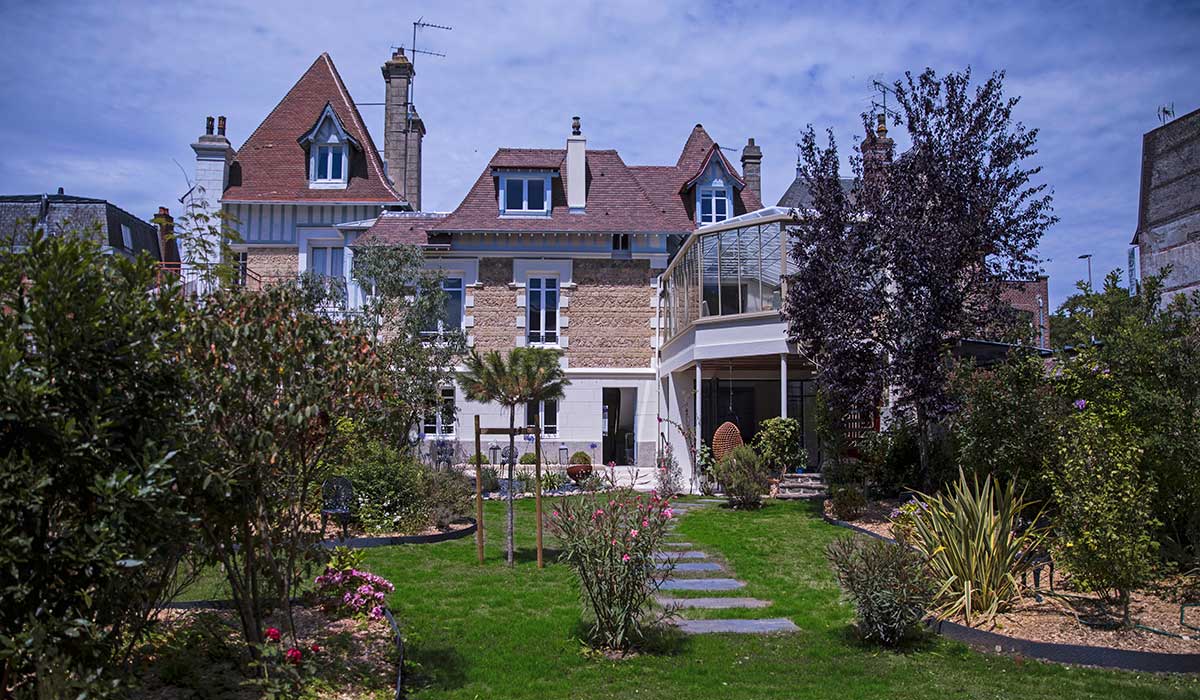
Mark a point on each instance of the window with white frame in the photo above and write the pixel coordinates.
(441, 421)
(542, 303)
(549, 415)
(525, 195)
(328, 163)
(126, 237)
(328, 264)
(714, 205)
(451, 317)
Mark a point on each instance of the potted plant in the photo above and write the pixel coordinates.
(581, 467)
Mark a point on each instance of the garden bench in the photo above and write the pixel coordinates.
(336, 496)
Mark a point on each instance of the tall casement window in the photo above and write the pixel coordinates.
(525, 195)
(126, 237)
(328, 146)
(714, 205)
(329, 163)
(542, 301)
(327, 262)
(549, 416)
(441, 422)
(451, 317)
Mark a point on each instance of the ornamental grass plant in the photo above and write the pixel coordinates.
(609, 539)
(977, 546)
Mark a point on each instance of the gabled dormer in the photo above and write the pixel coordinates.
(330, 148)
(714, 188)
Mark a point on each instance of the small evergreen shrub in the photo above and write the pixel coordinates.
(843, 471)
(780, 444)
(389, 487)
(886, 583)
(610, 540)
(743, 477)
(479, 458)
(528, 458)
(581, 457)
(489, 479)
(447, 497)
(848, 502)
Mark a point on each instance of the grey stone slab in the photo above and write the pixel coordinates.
(684, 566)
(689, 554)
(701, 584)
(712, 603)
(677, 545)
(766, 626)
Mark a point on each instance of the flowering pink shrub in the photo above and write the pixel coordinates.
(353, 592)
(610, 540)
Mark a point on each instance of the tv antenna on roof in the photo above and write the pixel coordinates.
(422, 24)
(1166, 113)
(883, 90)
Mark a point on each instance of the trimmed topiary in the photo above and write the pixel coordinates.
(528, 458)
(581, 457)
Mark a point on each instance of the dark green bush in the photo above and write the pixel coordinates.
(94, 411)
(780, 443)
(848, 502)
(744, 477)
(389, 487)
(479, 458)
(581, 457)
(447, 497)
(843, 471)
(489, 478)
(528, 458)
(887, 584)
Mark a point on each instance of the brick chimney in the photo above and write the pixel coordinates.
(877, 147)
(168, 251)
(752, 168)
(402, 129)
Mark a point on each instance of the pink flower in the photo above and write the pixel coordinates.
(624, 557)
(376, 612)
(645, 523)
(272, 634)
(554, 513)
(668, 513)
(633, 533)
(293, 655)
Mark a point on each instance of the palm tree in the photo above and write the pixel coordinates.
(527, 375)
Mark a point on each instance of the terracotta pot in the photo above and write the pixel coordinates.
(579, 472)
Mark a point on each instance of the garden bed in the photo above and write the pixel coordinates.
(1059, 618)
(333, 532)
(200, 654)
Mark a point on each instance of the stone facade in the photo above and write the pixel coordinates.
(273, 264)
(1168, 231)
(1032, 299)
(495, 307)
(611, 312)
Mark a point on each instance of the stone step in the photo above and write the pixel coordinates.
(691, 554)
(701, 584)
(685, 566)
(677, 545)
(766, 626)
(711, 603)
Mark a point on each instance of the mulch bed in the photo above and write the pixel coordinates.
(200, 654)
(333, 531)
(1060, 618)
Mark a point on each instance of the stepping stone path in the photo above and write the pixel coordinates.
(716, 583)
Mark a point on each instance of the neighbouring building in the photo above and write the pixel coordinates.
(551, 247)
(117, 231)
(1168, 225)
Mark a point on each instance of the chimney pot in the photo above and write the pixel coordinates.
(221, 125)
(576, 169)
(576, 129)
(208, 126)
(60, 190)
(881, 125)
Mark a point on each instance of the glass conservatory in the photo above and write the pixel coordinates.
(732, 268)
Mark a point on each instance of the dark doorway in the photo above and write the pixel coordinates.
(620, 445)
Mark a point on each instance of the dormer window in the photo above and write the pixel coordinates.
(329, 149)
(525, 194)
(714, 205)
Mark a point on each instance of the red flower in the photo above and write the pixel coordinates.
(316, 648)
(293, 655)
(272, 634)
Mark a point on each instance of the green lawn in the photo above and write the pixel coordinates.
(490, 632)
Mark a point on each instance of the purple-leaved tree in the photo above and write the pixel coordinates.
(890, 274)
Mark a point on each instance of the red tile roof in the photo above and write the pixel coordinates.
(272, 166)
(620, 198)
(400, 228)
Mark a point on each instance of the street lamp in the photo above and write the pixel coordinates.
(1088, 257)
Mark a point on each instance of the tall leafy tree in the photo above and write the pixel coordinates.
(525, 375)
(889, 275)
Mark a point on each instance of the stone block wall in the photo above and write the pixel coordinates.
(610, 314)
(273, 264)
(495, 307)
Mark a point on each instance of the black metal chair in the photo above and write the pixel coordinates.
(336, 496)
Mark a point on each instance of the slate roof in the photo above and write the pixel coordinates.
(620, 198)
(402, 228)
(272, 165)
(797, 195)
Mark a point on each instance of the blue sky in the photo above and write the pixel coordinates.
(103, 98)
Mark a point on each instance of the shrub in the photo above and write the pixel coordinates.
(479, 458)
(528, 458)
(610, 541)
(389, 487)
(447, 497)
(743, 477)
(489, 479)
(977, 549)
(668, 478)
(553, 481)
(843, 471)
(848, 502)
(93, 426)
(904, 518)
(1105, 522)
(581, 457)
(887, 584)
(780, 443)
(348, 590)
